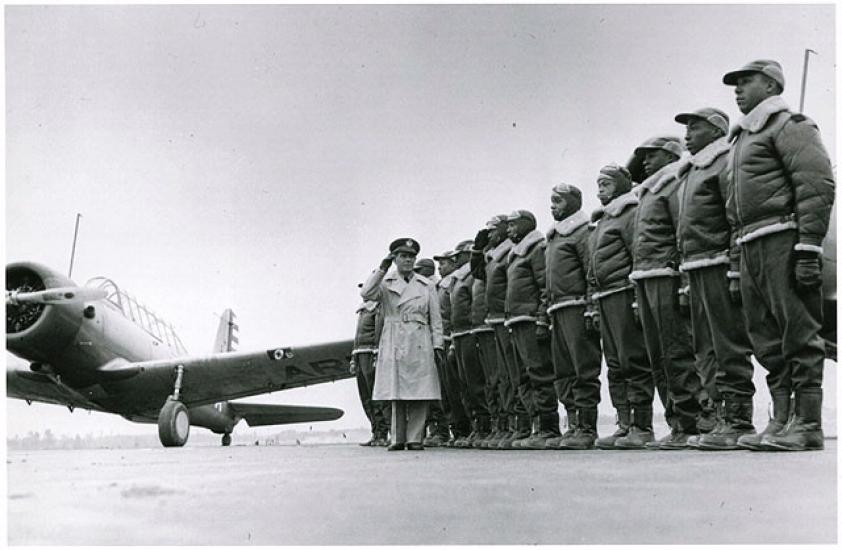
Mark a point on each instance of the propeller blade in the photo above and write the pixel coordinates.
(63, 295)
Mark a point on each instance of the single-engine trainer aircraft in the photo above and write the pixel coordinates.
(95, 347)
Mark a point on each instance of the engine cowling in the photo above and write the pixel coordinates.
(36, 331)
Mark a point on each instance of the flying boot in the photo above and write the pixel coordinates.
(500, 425)
(519, 425)
(547, 429)
(585, 435)
(708, 417)
(804, 430)
(467, 441)
(523, 436)
(640, 432)
(735, 422)
(572, 422)
(782, 408)
(370, 442)
(623, 424)
(483, 432)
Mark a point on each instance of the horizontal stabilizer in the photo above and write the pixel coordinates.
(267, 415)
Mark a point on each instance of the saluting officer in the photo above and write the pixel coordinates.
(410, 345)
(576, 350)
(489, 259)
(487, 354)
(706, 243)
(526, 317)
(471, 376)
(781, 194)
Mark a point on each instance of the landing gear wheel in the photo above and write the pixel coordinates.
(173, 424)
(226, 440)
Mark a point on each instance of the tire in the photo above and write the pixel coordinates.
(226, 440)
(173, 424)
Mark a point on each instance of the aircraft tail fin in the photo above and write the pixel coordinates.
(267, 415)
(227, 335)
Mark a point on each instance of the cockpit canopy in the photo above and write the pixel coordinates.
(138, 313)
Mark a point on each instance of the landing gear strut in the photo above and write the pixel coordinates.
(226, 440)
(174, 419)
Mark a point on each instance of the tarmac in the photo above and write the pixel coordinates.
(349, 495)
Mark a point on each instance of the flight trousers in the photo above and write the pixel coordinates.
(720, 339)
(472, 379)
(509, 381)
(535, 370)
(630, 380)
(783, 324)
(577, 359)
(377, 412)
(460, 422)
(487, 352)
(667, 332)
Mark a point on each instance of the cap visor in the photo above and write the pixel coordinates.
(730, 79)
(685, 118)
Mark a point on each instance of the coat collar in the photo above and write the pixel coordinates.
(445, 281)
(710, 153)
(616, 206)
(521, 248)
(668, 173)
(396, 283)
(462, 272)
(568, 225)
(501, 250)
(759, 116)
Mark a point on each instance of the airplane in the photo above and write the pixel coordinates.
(96, 347)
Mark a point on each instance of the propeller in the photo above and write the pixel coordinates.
(62, 295)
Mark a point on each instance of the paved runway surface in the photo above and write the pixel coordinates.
(345, 494)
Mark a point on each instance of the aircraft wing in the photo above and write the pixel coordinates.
(144, 386)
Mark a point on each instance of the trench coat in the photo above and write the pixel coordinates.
(412, 329)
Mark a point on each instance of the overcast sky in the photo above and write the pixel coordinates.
(263, 157)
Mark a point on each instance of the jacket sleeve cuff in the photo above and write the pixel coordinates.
(805, 247)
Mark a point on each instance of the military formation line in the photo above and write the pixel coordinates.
(703, 254)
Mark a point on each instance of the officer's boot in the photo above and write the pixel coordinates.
(782, 408)
(735, 422)
(640, 432)
(585, 435)
(483, 431)
(523, 435)
(572, 422)
(804, 431)
(380, 439)
(547, 429)
(370, 442)
(623, 424)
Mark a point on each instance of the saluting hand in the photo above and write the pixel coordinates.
(387, 262)
(481, 240)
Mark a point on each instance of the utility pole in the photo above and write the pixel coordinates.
(73, 250)
(807, 53)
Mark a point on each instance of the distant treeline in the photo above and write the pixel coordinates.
(33, 441)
